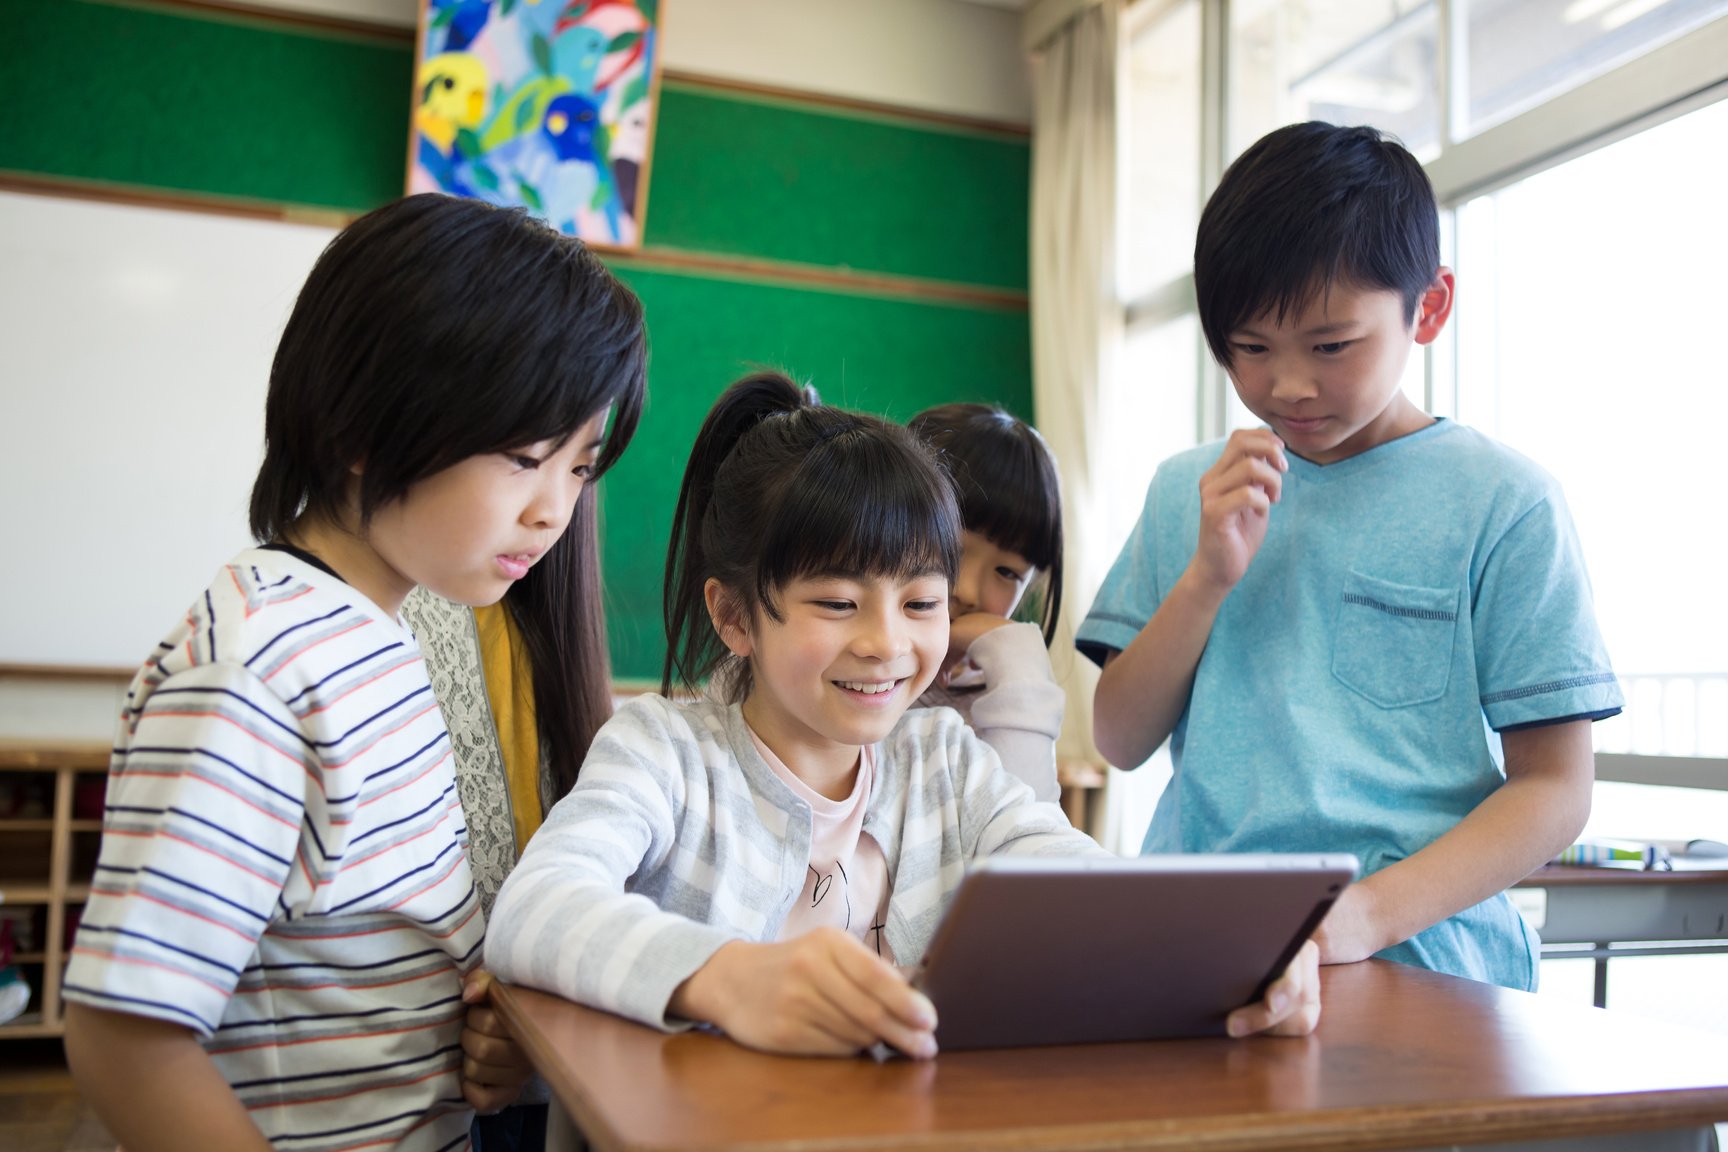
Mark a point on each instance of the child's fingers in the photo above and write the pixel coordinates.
(877, 999)
(495, 1075)
(489, 1040)
(477, 986)
(1247, 472)
(1251, 452)
(1292, 1004)
(1261, 443)
(489, 1054)
(1247, 498)
(850, 999)
(486, 1021)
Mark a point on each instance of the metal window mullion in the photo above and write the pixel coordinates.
(1453, 71)
(1668, 81)
(1210, 401)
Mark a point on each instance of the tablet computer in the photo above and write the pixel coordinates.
(1077, 950)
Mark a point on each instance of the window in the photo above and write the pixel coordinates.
(1343, 61)
(1586, 306)
(1574, 146)
(1521, 52)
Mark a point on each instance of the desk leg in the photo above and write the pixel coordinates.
(1601, 990)
(561, 1133)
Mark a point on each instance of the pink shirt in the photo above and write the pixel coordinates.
(846, 880)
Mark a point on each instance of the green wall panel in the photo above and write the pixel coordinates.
(889, 357)
(238, 108)
(759, 178)
(143, 96)
(160, 98)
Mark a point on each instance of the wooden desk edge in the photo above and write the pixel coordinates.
(1568, 875)
(565, 1090)
(1350, 1129)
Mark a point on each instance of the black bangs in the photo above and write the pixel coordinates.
(547, 340)
(865, 501)
(1309, 207)
(434, 329)
(1010, 497)
(1006, 480)
(779, 487)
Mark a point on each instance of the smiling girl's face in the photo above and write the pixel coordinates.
(846, 659)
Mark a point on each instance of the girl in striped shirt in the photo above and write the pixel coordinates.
(281, 939)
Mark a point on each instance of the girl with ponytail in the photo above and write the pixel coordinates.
(760, 858)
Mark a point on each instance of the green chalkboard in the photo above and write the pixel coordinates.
(758, 178)
(231, 107)
(239, 106)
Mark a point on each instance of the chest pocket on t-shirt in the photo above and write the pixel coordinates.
(1393, 644)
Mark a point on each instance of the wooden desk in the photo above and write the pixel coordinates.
(1403, 1058)
(1614, 912)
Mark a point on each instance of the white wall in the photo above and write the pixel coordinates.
(137, 352)
(960, 57)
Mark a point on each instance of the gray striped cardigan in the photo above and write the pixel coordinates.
(678, 839)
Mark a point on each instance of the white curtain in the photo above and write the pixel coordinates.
(1076, 323)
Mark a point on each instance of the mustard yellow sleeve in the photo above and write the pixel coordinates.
(510, 692)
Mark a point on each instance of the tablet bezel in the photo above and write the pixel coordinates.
(1073, 950)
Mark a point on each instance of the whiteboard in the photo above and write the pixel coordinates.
(135, 348)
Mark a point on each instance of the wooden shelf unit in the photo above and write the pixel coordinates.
(54, 884)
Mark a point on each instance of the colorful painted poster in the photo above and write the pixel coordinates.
(543, 103)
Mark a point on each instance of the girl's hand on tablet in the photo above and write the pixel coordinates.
(821, 994)
(1292, 1003)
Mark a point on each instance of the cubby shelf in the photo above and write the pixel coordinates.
(50, 880)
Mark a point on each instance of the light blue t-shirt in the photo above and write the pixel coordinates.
(1406, 605)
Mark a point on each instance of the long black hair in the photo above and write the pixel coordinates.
(437, 328)
(780, 486)
(1005, 477)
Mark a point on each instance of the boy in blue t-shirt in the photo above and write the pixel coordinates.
(1362, 628)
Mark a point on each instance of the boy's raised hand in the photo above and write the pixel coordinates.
(821, 994)
(1291, 1006)
(1236, 498)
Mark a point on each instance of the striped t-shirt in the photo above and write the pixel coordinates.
(283, 865)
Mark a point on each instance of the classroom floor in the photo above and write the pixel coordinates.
(40, 1110)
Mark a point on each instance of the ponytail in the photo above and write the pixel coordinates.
(780, 486)
(692, 648)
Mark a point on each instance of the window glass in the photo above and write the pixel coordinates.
(1148, 416)
(1587, 304)
(1521, 52)
(1343, 61)
(1161, 151)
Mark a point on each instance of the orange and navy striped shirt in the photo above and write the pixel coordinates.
(283, 866)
